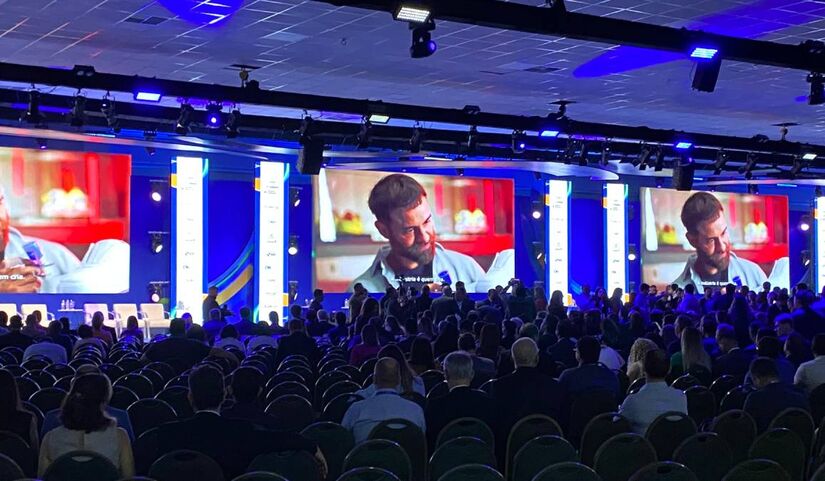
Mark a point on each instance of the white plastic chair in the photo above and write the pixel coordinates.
(26, 309)
(154, 317)
(9, 309)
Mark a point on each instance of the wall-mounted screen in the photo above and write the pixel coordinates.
(710, 239)
(381, 229)
(64, 222)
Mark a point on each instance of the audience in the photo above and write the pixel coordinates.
(590, 375)
(655, 397)
(246, 387)
(421, 356)
(483, 369)
(179, 351)
(98, 329)
(15, 338)
(734, 361)
(811, 374)
(771, 396)
(229, 337)
(132, 331)
(297, 342)
(368, 348)
(87, 336)
(410, 383)
(13, 418)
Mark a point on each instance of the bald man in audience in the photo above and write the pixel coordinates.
(385, 404)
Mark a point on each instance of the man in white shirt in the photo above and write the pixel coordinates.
(385, 404)
(655, 397)
(811, 374)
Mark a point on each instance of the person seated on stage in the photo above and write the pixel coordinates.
(180, 352)
(87, 336)
(655, 397)
(132, 330)
(229, 337)
(233, 443)
(772, 395)
(87, 426)
(386, 403)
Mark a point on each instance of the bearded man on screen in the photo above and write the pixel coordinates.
(403, 217)
(714, 262)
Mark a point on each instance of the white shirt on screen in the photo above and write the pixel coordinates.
(460, 267)
(749, 273)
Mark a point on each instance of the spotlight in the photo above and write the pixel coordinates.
(809, 156)
(704, 53)
(422, 42)
(631, 252)
(805, 256)
(605, 154)
(817, 95)
(32, 114)
(157, 242)
(77, 117)
(42, 144)
(519, 142)
(155, 292)
(721, 160)
(233, 121)
(157, 188)
(213, 115)
(660, 159)
(295, 196)
(416, 139)
(363, 137)
(145, 96)
(379, 118)
(805, 223)
(184, 119)
(798, 165)
(750, 163)
(412, 13)
(708, 63)
(472, 140)
(107, 108)
(293, 245)
(538, 207)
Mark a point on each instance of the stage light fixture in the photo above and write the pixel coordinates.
(107, 108)
(32, 115)
(472, 140)
(77, 116)
(817, 93)
(704, 53)
(295, 196)
(233, 122)
(518, 142)
(683, 145)
(146, 96)
(707, 72)
(416, 139)
(157, 242)
(293, 245)
(549, 133)
(155, 292)
(797, 167)
(157, 191)
(805, 223)
(809, 156)
(750, 163)
(721, 160)
(408, 12)
(364, 135)
(605, 160)
(631, 252)
(214, 115)
(422, 43)
(379, 118)
(538, 209)
(184, 119)
(42, 144)
(660, 160)
(805, 257)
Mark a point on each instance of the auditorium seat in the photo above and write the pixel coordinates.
(598, 430)
(410, 438)
(184, 464)
(81, 466)
(757, 470)
(622, 455)
(539, 453)
(739, 430)
(380, 453)
(368, 474)
(706, 454)
(472, 472)
(567, 472)
(664, 471)
(154, 317)
(9, 470)
(800, 422)
(785, 448)
(292, 465)
(667, 432)
(472, 427)
(526, 429)
(458, 452)
(334, 441)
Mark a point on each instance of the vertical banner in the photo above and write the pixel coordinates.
(188, 235)
(271, 214)
(558, 194)
(615, 229)
(819, 243)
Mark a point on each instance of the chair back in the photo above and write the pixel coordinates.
(598, 430)
(288, 388)
(380, 453)
(81, 466)
(25, 386)
(817, 401)
(368, 474)
(185, 464)
(410, 437)
(622, 455)
(19, 451)
(146, 414)
(664, 471)
(122, 397)
(738, 429)
(9, 470)
(540, 453)
(431, 378)
(567, 472)
(526, 429)
(154, 317)
(701, 404)
(145, 451)
(341, 387)
(178, 398)
(586, 406)
(293, 465)
(334, 411)
(327, 380)
(721, 386)
(735, 398)
(706, 454)
(439, 390)
(685, 381)
(48, 399)
(124, 311)
(42, 378)
(138, 384)
(784, 447)
(291, 413)
(462, 427)
(9, 309)
(667, 432)
(636, 385)
(757, 470)
(459, 452)
(258, 476)
(26, 309)
(819, 475)
(90, 309)
(334, 441)
(472, 472)
(800, 422)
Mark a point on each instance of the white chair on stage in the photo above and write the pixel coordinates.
(154, 317)
(9, 309)
(90, 309)
(26, 309)
(123, 312)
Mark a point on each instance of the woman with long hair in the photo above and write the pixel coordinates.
(556, 305)
(447, 340)
(616, 302)
(636, 359)
(421, 356)
(86, 426)
(13, 417)
(98, 330)
(368, 348)
(410, 382)
(693, 357)
(489, 343)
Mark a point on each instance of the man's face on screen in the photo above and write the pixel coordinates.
(411, 233)
(712, 243)
(4, 220)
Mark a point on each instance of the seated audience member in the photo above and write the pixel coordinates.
(320, 325)
(385, 404)
(797, 349)
(178, 351)
(461, 401)
(339, 332)
(564, 350)
(229, 337)
(483, 369)
(772, 396)
(258, 341)
(274, 320)
(523, 392)
(214, 325)
(771, 347)
(45, 347)
(591, 375)
(13, 418)
(410, 383)
(233, 443)
(447, 339)
(784, 326)
(55, 334)
(421, 356)
(132, 331)
(297, 342)
(86, 426)
(33, 328)
(636, 359)
(87, 336)
(246, 387)
(121, 417)
(98, 330)
(489, 343)
(247, 327)
(196, 333)
(367, 349)
(4, 322)
(811, 374)
(655, 397)
(735, 361)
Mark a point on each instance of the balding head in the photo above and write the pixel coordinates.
(525, 353)
(387, 375)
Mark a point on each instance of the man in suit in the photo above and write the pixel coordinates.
(483, 369)
(180, 352)
(735, 361)
(247, 327)
(564, 350)
(297, 342)
(806, 321)
(523, 392)
(461, 401)
(465, 304)
(247, 383)
(232, 443)
(590, 375)
(444, 305)
(772, 396)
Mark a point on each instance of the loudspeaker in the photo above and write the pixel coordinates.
(683, 176)
(311, 157)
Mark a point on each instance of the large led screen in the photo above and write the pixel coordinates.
(710, 239)
(381, 229)
(64, 222)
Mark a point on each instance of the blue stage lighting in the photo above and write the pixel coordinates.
(705, 53)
